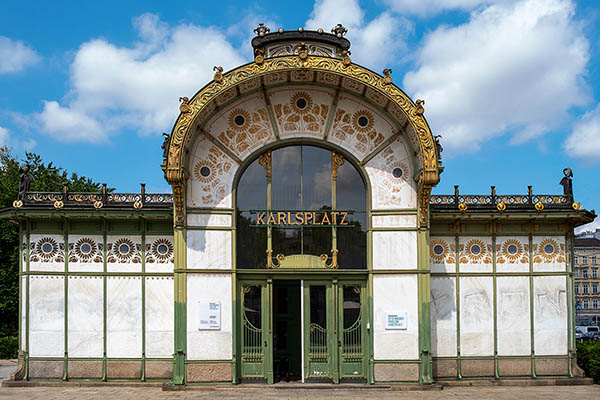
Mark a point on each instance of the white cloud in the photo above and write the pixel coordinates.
(591, 227)
(513, 67)
(15, 55)
(430, 7)
(584, 141)
(375, 43)
(136, 87)
(3, 136)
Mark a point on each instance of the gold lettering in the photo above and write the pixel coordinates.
(299, 219)
(314, 218)
(307, 216)
(259, 218)
(325, 217)
(271, 219)
(344, 215)
(335, 214)
(289, 216)
(279, 218)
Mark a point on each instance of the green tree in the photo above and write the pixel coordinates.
(46, 178)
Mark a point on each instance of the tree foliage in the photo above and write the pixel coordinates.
(46, 178)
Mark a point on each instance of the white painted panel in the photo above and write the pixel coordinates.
(155, 260)
(476, 316)
(550, 313)
(82, 260)
(443, 317)
(117, 261)
(209, 220)
(209, 249)
(394, 221)
(549, 254)
(391, 294)
(46, 316)
(442, 250)
(23, 312)
(475, 254)
(512, 254)
(514, 333)
(213, 344)
(394, 250)
(124, 316)
(159, 316)
(24, 254)
(86, 311)
(46, 253)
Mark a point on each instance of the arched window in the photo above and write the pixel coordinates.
(301, 207)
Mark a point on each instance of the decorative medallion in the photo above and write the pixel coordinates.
(549, 251)
(438, 249)
(512, 251)
(239, 119)
(362, 121)
(85, 250)
(212, 172)
(301, 102)
(204, 171)
(46, 249)
(124, 250)
(475, 251)
(301, 114)
(160, 251)
(356, 131)
(245, 130)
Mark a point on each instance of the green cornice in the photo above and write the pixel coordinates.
(20, 214)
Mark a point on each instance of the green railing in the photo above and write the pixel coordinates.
(318, 343)
(352, 341)
(252, 349)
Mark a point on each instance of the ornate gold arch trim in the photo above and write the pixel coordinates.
(196, 108)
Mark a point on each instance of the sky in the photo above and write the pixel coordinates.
(513, 86)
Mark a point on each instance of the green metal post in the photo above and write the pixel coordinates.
(424, 297)
(179, 370)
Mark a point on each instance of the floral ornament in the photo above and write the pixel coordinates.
(301, 114)
(549, 251)
(356, 131)
(476, 252)
(438, 250)
(85, 249)
(301, 102)
(512, 250)
(124, 250)
(160, 251)
(239, 119)
(211, 172)
(362, 121)
(204, 171)
(46, 249)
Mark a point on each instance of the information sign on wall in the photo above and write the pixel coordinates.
(395, 320)
(210, 315)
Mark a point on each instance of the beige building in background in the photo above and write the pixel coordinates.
(587, 280)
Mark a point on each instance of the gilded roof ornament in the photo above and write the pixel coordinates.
(303, 51)
(219, 74)
(184, 107)
(259, 56)
(346, 60)
(339, 30)
(262, 29)
(420, 109)
(387, 76)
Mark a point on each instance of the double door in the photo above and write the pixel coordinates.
(332, 318)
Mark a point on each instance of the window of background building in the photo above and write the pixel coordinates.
(576, 273)
(586, 304)
(594, 260)
(585, 273)
(595, 303)
(584, 260)
(586, 288)
(576, 259)
(577, 288)
(594, 288)
(594, 272)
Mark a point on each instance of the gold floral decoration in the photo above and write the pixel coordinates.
(514, 256)
(301, 95)
(438, 257)
(365, 114)
(235, 113)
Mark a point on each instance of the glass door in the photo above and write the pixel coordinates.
(352, 333)
(256, 333)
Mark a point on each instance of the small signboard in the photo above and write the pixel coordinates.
(210, 316)
(395, 320)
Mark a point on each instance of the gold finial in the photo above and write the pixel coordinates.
(184, 107)
(303, 51)
(346, 60)
(219, 74)
(387, 77)
(259, 56)
(462, 207)
(501, 206)
(576, 206)
(539, 206)
(336, 161)
(98, 204)
(17, 204)
(265, 160)
(420, 110)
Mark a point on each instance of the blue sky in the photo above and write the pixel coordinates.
(513, 86)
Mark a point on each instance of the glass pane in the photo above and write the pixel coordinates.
(251, 195)
(318, 306)
(286, 241)
(350, 189)
(252, 305)
(352, 243)
(351, 305)
(316, 178)
(317, 241)
(285, 189)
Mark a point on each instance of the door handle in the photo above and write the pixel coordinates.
(265, 343)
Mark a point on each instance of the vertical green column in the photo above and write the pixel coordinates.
(424, 301)
(457, 284)
(27, 279)
(104, 300)
(531, 303)
(180, 306)
(143, 225)
(66, 297)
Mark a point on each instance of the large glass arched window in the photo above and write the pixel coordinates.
(301, 207)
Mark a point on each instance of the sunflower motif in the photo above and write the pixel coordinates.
(162, 249)
(85, 248)
(548, 249)
(512, 250)
(46, 248)
(124, 249)
(301, 102)
(204, 171)
(475, 250)
(362, 121)
(438, 250)
(399, 170)
(239, 119)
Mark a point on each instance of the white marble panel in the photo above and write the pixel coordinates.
(209, 249)
(514, 333)
(512, 254)
(124, 253)
(550, 315)
(160, 253)
(24, 254)
(392, 190)
(549, 254)
(159, 316)
(23, 306)
(394, 221)
(442, 250)
(357, 127)
(86, 253)
(86, 316)
(391, 294)
(394, 250)
(475, 254)
(219, 220)
(476, 316)
(211, 176)
(46, 252)
(46, 316)
(209, 344)
(443, 317)
(124, 316)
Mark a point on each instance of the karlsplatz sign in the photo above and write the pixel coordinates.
(300, 218)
